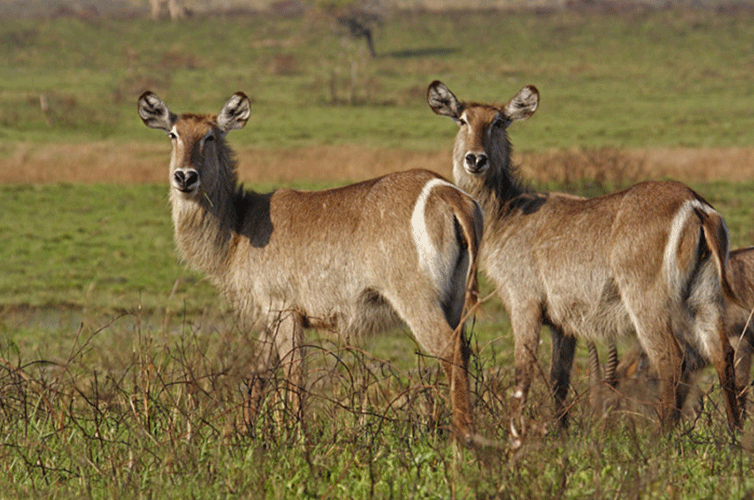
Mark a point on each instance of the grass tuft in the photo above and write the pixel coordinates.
(164, 417)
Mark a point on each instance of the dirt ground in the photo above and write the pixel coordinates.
(147, 163)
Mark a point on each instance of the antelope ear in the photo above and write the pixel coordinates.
(154, 112)
(442, 101)
(235, 113)
(523, 104)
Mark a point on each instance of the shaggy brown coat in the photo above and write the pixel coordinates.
(650, 259)
(355, 260)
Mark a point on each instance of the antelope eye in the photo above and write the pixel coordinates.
(172, 136)
(209, 137)
(462, 122)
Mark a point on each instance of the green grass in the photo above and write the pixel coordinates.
(666, 78)
(121, 372)
(114, 385)
(108, 247)
(131, 409)
(101, 246)
(67, 244)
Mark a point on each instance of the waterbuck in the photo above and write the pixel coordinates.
(738, 320)
(357, 260)
(739, 316)
(650, 259)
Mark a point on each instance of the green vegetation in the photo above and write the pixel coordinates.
(127, 408)
(109, 248)
(676, 77)
(118, 381)
(121, 372)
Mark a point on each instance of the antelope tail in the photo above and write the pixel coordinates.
(471, 229)
(716, 236)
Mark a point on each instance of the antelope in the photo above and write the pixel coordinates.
(357, 259)
(650, 259)
(738, 321)
(174, 8)
(739, 316)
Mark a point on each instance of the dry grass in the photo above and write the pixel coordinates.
(162, 417)
(609, 165)
(133, 163)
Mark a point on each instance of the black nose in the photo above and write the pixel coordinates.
(475, 162)
(186, 180)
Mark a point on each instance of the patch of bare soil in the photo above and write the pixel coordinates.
(130, 163)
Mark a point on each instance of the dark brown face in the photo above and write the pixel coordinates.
(198, 147)
(194, 141)
(481, 143)
(480, 127)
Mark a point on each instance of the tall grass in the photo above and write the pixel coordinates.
(142, 396)
(123, 375)
(133, 408)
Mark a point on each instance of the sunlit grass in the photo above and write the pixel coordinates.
(132, 404)
(123, 383)
(122, 374)
(664, 78)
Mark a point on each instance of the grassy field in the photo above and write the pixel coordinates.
(121, 372)
(649, 82)
(666, 78)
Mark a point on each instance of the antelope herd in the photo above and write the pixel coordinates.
(651, 260)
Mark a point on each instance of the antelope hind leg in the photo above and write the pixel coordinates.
(455, 364)
(563, 350)
(724, 365)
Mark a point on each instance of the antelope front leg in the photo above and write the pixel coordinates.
(295, 373)
(722, 356)
(526, 340)
(288, 338)
(280, 341)
(260, 373)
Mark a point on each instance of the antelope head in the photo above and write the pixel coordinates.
(197, 162)
(482, 139)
